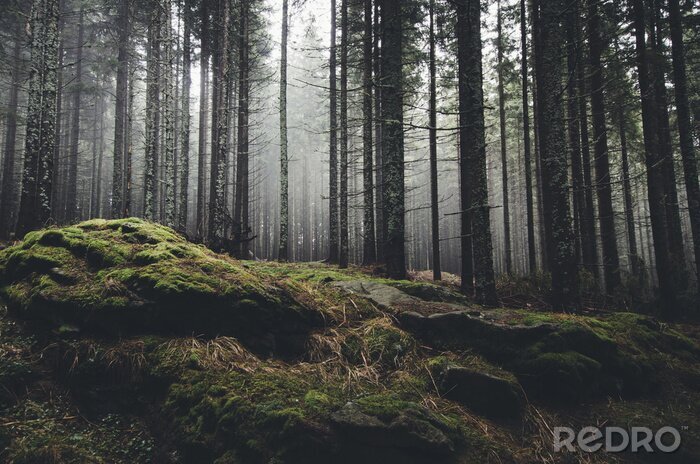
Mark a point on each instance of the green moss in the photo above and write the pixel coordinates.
(379, 341)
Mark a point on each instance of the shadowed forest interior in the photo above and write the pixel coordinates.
(385, 231)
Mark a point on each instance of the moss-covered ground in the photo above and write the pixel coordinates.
(122, 342)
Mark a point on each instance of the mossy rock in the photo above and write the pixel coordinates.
(132, 276)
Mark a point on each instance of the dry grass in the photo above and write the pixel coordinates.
(221, 353)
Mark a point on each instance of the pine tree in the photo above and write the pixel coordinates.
(685, 131)
(434, 201)
(170, 179)
(184, 162)
(504, 153)
(152, 114)
(473, 151)
(333, 256)
(120, 112)
(72, 181)
(205, 52)
(392, 137)
(550, 41)
(611, 262)
(369, 244)
(531, 248)
(35, 204)
(344, 231)
(7, 190)
(284, 161)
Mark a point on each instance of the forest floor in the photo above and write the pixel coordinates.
(120, 342)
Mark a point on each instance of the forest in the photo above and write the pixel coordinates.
(312, 231)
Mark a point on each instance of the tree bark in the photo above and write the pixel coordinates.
(344, 231)
(284, 161)
(333, 256)
(152, 115)
(611, 260)
(72, 181)
(120, 110)
(685, 130)
(203, 120)
(550, 41)
(35, 203)
(434, 200)
(7, 192)
(392, 137)
(184, 162)
(369, 243)
(531, 248)
(504, 153)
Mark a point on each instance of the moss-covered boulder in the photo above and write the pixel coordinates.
(129, 276)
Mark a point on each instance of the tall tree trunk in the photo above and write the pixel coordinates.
(170, 176)
(588, 233)
(120, 110)
(35, 203)
(629, 205)
(611, 261)
(150, 196)
(690, 168)
(242, 171)
(333, 255)
(550, 41)
(369, 248)
(434, 200)
(72, 181)
(531, 248)
(473, 150)
(392, 137)
(574, 130)
(284, 161)
(184, 162)
(504, 153)
(380, 223)
(665, 269)
(658, 74)
(203, 120)
(220, 107)
(7, 192)
(344, 231)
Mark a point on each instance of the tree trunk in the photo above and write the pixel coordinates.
(35, 203)
(550, 41)
(588, 233)
(120, 110)
(170, 179)
(654, 163)
(434, 200)
(690, 168)
(242, 171)
(333, 256)
(629, 205)
(504, 153)
(184, 162)
(7, 192)
(152, 115)
(531, 248)
(611, 261)
(473, 150)
(284, 161)
(72, 181)
(392, 137)
(203, 120)
(344, 232)
(369, 248)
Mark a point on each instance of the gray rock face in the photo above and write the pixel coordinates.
(411, 430)
(382, 295)
(482, 392)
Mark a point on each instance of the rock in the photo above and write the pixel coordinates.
(385, 296)
(412, 429)
(482, 392)
(129, 276)
(461, 329)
